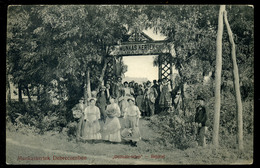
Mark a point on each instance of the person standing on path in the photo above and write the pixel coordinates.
(131, 132)
(122, 101)
(149, 99)
(201, 117)
(111, 128)
(78, 114)
(108, 92)
(140, 102)
(141, 88)
(102, 102)
(157, 87)
(136, 90)
(165, 95)
(117, 88)
(131, 87)
(91, 127)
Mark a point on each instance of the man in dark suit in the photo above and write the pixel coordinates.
(201, 117)
(117, 88)
(108, 92)
(150, 96)
(157, 87)
(102, 102)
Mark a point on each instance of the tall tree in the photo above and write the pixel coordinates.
(218, 77)
(236, 85)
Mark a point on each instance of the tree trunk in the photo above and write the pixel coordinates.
(88, 84)
(182, 98)
(101, 78)
(8, 91)
(38, 93)
(20, 96)
(236, 86)
(218, 77)
(87, 89)
(28, 93)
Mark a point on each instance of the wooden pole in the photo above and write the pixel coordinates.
(20, 96)
(236, 86)
(159, 67)
(218, 77)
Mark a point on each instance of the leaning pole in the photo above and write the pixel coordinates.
(239, 106)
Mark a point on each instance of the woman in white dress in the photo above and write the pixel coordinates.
(111, 128)
(122, 101)
(91, 128)
(132, 114)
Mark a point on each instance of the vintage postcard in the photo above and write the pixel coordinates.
(129, 84)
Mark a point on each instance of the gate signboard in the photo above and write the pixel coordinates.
(139, 49)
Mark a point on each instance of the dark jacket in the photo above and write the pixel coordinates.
(101, 100)
(201, 116)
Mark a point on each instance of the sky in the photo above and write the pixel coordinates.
(142, 66)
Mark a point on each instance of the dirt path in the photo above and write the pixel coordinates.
(26, 150)
(51, 145)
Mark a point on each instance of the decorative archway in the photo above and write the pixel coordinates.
(138, 43)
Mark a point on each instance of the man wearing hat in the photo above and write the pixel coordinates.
(150, 96)
(102, 102)
(108, 92)
(117, 88)
(201, 117)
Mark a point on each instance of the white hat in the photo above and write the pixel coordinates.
(131, 98)
(92, 98)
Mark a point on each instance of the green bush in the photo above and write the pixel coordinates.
(178, 130)
(41, 115)
(71, 129)
(228, 112)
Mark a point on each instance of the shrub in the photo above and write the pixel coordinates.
(41, 115)
(175, 129)
(71, 129)
(179, 129)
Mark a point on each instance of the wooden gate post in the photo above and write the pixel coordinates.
(171, 74)
(159, 66)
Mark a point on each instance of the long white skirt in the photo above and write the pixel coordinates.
(111, 130)
(91, 131)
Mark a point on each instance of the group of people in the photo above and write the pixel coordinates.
(130, 101)
(89, 128)
(150, 98)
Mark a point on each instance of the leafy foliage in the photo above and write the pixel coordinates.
(177, 129)
(193, 28)
(37, 115)
(49, 44)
